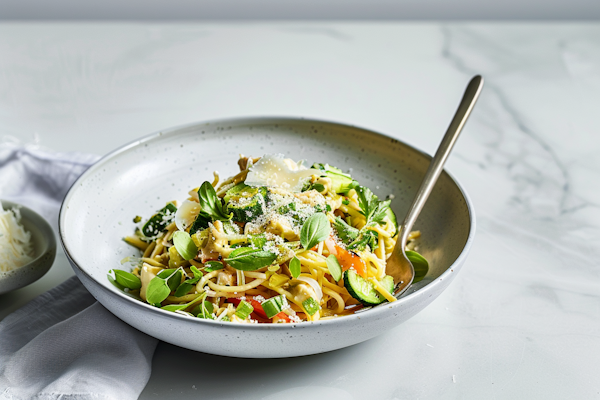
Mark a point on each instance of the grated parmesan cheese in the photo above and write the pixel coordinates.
(16, 248)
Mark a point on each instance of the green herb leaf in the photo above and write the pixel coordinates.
(197, 273)
(127, 279)
(172, 276)
(381, 211)
(367, 201)
(295, 267)
(211, 204)
(274, 305)
(157, 290)
(211, 266)
(184, 288)
(204, 310)
(420, 264)
(185, 245)
(315, 230)
(249, 259)
(366, 237)
(335, 269)
(114, 282)
(344, 231)
(201, 222)
(179, 307)
(311, 306)
(244, 309)
(159, 221)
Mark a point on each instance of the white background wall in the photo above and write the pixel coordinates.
(300, 9)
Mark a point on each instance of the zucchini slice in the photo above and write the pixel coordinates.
(390, 214)
(363, 290)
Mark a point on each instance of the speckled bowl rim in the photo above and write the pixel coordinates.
(374, 312)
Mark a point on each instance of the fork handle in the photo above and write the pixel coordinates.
(441, 155)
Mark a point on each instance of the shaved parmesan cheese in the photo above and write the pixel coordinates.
(273, 170)
(186, 214)
(16, 248)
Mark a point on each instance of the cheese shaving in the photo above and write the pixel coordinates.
(16, 248)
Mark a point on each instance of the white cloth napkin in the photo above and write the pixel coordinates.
(63, 344)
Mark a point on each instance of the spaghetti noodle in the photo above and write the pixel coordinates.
(277, 242)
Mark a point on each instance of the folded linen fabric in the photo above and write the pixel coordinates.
(63, 344)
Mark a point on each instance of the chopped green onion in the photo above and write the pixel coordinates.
(274, 305)
(310, 306)
(244, 309)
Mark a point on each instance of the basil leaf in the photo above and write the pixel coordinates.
(344, 231)
(127, 279)
(197, 274)
(314, 230)
(213, 266)
(248, 259)
(184, 288)
(185, 245)
(295, 267)
(204, 310)
(157, 290)
(420, 264)
(335, 269)
(211, 204)
(172, 277)
(114, 282)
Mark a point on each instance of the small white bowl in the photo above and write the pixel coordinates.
(142, 176)
(44, 251)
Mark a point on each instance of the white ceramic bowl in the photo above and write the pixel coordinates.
(44, 251)
(139, 178)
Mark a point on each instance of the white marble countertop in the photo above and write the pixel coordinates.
(521, 320)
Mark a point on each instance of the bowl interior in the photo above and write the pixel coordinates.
(141, 177)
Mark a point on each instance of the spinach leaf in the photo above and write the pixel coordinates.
(127, 279)
(185, 245)
(314, 230)
(159, 221)
(201, 222)
(211, 204)
(295, 267)
(249, 259)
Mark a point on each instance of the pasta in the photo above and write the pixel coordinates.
(275, 243)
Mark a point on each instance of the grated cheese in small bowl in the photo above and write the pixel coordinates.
(16, 248)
